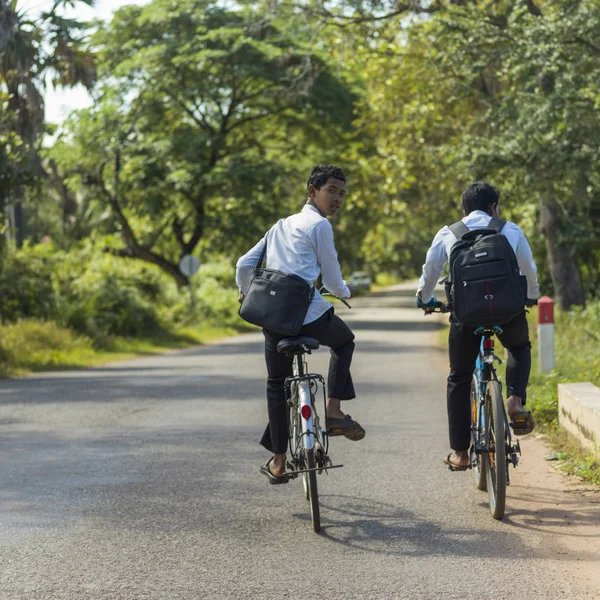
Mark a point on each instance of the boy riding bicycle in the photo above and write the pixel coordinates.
(303, 245)
(480, 205)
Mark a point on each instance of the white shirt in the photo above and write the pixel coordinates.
(301, 245)
(438, 254)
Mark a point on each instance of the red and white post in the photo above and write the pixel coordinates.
(546, 334)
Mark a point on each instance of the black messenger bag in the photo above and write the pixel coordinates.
(276, 301)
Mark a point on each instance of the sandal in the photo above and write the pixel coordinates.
(273, 479)
(522, 422)
(454, 467)
(347, 427)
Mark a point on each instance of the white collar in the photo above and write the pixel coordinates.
(311, 207)
(478, 212)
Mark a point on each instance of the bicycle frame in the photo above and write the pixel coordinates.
(300, 390)
(484, 373)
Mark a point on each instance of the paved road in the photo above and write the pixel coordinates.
(139, 480)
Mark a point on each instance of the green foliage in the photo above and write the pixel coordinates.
(195, 132)
(100, 295)
(218, 304)
(208, 116)
(26, 289)
(41, 345)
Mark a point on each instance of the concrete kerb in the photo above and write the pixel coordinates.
(579, 412)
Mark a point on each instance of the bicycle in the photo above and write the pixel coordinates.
(492, 447)
(308, 441)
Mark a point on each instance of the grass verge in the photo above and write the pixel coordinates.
(30, 346)
(577, 351)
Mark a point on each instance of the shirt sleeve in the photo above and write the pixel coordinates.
(327, 256)
(244, 267)
(527, 266)
(434, 265)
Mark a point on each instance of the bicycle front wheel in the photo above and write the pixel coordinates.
(496, 441)
(313, 492)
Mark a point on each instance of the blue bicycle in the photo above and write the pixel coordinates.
(492, 447)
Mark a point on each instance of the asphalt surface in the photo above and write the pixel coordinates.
(140, 480)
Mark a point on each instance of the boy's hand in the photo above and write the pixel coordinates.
(352, 289)
(428, 307)
(241, 298)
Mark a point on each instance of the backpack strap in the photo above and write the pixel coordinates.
(458, 229)
(496, 224)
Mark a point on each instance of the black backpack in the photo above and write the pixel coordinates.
(485, 285)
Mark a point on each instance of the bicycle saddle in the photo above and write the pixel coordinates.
(297, 345)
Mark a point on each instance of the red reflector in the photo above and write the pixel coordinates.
(306, 412)
(488, 344)
(545, 310)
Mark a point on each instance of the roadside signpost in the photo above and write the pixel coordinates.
(546, 334)
(189, 265)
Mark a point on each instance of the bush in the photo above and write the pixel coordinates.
(37, 344)
(101, 295)
(26, 289)
(114, 297)
(216, 300)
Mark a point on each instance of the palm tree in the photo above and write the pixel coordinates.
(31, 51)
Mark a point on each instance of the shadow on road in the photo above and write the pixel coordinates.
(379, 527)
(155, 384)
(567, 515)
(373, 526)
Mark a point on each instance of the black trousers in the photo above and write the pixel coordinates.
(463, 347)
(330, 331)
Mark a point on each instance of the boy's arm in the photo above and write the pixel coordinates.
(331, 273)
(527, 266)
(245, 265)
(433, 267)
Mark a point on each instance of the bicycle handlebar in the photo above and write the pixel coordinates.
(325, 292)
(442, 307)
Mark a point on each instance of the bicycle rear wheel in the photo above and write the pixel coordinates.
(496, 440)
(477, 460)
(313, 492)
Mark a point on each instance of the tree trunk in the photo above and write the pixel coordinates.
(561, 261)
(19, 223)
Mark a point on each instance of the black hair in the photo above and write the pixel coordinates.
(479, 196)
(321, 174)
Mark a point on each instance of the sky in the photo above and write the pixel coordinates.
(60, 102)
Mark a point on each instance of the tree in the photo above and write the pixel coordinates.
(500, 90)
(31, 50)
(203, 113)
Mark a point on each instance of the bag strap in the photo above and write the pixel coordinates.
(458, 229)
(262, 254)
(496, 224)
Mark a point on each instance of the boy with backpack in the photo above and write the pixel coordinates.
(492, 278)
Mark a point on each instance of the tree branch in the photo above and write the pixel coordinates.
(202, 122)
(536, 11)
(410, 6)
(588, 43)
